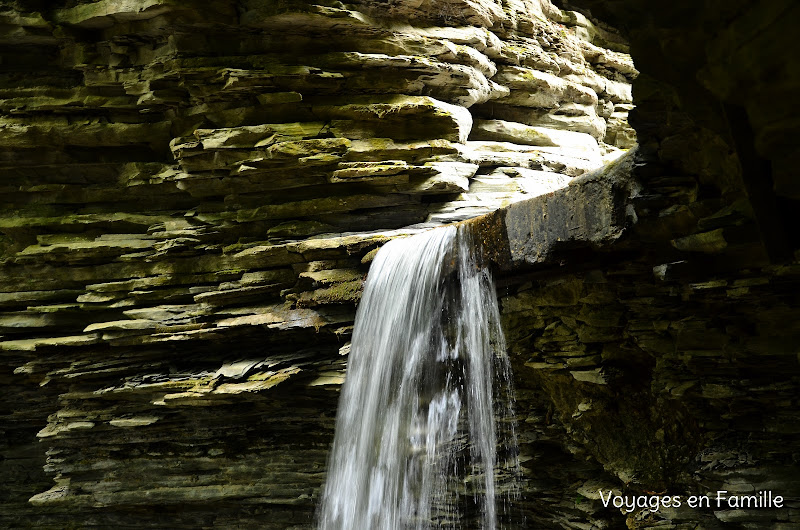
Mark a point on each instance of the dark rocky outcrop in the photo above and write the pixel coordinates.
(192, 193)
(664, 343)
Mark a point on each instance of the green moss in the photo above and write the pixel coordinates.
(340, 293)
(369, 256)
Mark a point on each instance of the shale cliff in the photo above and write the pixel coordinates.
(192, 193)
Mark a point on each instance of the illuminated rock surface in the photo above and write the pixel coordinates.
(192, 193)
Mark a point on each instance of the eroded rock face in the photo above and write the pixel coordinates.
(192, 195)
(193, 191)
(645, 364)
(662, 343)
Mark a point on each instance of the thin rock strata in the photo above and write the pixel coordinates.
(192, 194)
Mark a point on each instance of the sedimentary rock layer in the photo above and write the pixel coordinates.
(192, 193)
(191, 196)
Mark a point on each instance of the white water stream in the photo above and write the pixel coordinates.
(416, 433)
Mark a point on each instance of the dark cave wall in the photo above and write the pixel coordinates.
(728, 66)
(670, 354)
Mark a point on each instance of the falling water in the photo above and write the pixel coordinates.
(427, 399)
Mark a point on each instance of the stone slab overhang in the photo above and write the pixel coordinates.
(594, 212)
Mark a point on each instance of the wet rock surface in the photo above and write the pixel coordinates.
(671, 379)
(192, 193)
(664, 345)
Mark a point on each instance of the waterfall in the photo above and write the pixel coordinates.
(427, 400)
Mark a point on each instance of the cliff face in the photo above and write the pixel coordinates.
(192, 194)
(656, 326)
(193, 191)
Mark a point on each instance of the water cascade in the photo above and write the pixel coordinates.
(424, 434)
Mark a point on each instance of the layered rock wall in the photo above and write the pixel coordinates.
(192, 193)
(656, 327)
(645, 367)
